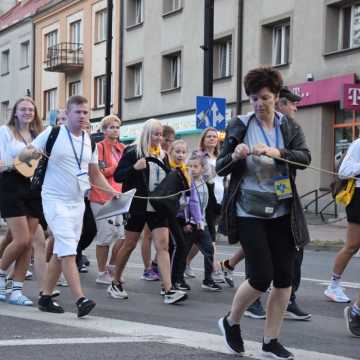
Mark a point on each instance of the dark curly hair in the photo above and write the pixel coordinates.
(264, 76)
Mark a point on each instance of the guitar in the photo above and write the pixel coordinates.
(26, 169)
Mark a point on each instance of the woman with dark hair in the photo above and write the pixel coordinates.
(20, 206)
(263, 210)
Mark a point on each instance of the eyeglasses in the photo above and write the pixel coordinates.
(114, 127)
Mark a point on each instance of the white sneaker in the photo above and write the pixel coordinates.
(28, 275)
(218, 277)
(18, 298)
(336, 294)
(8, 286)
(104, 278)
(189, 273)
(117, 291)
(174, 296)
(62, 281)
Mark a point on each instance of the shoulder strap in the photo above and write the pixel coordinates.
(51, 139)
(93, 144)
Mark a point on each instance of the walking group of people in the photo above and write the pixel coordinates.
(245, 185)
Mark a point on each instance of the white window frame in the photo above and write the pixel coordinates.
(5, 62)
(101, 25)
(75, 85)
(223, 51)
(51, 39)
(139, 11)
(75, 32)
(100, 90)
(171, 6)
(175, 71)
(138, 79)
(353, 7)
(25, 54)
(4, 111)
(50, 100)
(283, 60)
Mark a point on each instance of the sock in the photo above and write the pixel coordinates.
(230, 322)
(355, 310)
(335, 280)
(17, 288)
(227, 265)
(267, 339)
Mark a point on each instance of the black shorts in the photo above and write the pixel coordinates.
(353, 209)
(16, 198)
(136, 222)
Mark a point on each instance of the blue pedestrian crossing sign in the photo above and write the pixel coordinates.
(210, 112)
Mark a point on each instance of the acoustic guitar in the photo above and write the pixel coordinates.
(26, 169)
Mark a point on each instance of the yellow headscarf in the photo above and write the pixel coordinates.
(183, 168)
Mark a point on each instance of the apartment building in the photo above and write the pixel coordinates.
(315, 45)
(70, 55)
(163, 62)
(16, 53)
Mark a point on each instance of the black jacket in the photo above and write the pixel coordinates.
(136, 179)
(295, 149)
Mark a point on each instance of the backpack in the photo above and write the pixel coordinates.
(39, 175)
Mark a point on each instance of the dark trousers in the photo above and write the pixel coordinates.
(202, 239)
(88, 233)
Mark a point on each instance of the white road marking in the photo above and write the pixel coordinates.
(140, 331)
(199, 270)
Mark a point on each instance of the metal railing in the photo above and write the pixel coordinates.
(64, 56)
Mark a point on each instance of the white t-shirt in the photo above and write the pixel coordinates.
(10, 147)
(218, 181)
(61, 180)
(351, 164)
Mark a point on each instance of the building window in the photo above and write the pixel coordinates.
(74, 88)
(223, 58)
(100, 89)
(171, 5)
(171, 71)
(5, 65)
(100, 25)
(25, 54)
(134, 77)
(51, 40)
(4, 112)
(75, 32)
(281, 44)
(349, 27)
(50, 100)
(135, 14)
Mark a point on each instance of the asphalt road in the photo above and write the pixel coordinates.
(142, 327)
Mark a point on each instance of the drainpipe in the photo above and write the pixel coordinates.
(33, 43)
(108, 57)
(208, 47)
(239, 61)
(121, 60)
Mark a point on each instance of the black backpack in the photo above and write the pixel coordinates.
(39, 175)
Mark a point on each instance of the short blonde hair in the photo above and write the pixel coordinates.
(143, 142)
(107, 120)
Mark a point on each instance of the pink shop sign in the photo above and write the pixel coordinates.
(322, 91)
(351, 97)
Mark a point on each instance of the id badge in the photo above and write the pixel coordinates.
(283, 187)
(83, 181)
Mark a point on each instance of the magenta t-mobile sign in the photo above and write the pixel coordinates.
(351, 96)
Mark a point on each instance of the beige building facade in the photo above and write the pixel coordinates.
(70, 55)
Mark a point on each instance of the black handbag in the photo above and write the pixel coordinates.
(258, 203)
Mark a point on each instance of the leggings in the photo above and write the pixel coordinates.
(269, 249)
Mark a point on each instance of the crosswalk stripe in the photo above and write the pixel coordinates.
(145, 332)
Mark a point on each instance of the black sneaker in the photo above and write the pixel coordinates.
(255, 310)
(211, 285)
(83, 268)
(46, 304)
(352, 322)
(182, 285)
(232, 336)
(276, 350)
(84, 306)
(295, 313)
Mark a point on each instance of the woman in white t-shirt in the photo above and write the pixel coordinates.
(19, 205)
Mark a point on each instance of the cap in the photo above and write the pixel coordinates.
(287, 94)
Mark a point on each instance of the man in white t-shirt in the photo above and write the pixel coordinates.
(72, 166)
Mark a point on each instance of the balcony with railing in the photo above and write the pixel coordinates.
(65, 57)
